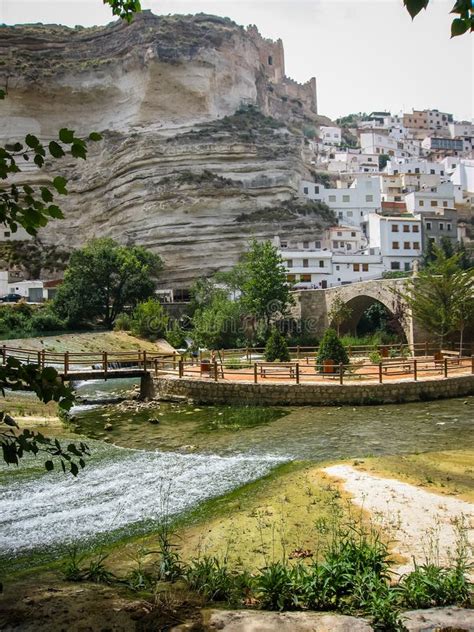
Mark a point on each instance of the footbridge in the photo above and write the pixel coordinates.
(313, 307)
(104, 365)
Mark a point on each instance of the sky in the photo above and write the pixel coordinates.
(365, 54)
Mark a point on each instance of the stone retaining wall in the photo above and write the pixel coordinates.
(226, 392)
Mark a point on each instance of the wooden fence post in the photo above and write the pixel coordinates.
(105, 363)
(426, 348)
(39, 359)
(341, 373)
(298, 352)
(297, 374)
(4, 353)
(472, 364)
(215, 370)
(180, 368)
(415, 370)
(43, 358)
(380, 373)
(144, 360)
(446, 367)
(66, 362)
(255, 373)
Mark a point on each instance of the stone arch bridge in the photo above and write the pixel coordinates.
(313, 306)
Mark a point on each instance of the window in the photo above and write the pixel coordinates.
(335, 244)
(346, 198)
(353, 234)
(395, 245)
(421, 202)
(305, 190)
(270, 60)
(417, 169)
(338, 267)
(406, 245)
(434, 203)
(397, 198)
(305, 263)
(416, 245)
(406, 228)
(356, 267)
(395, 265)
(369, 198)
(321, 263)
(428, 225)
(284, 244)
(332, 198)
(369, 159)
(394, 228)
(365, 267)
(306, 244)
(289, 263)
(317, 244)
(340, 214)
(7, 233)
(445, 204)
(305, 278)
(348, 247)
(432, 171)
(339, 234)
(291, 278)
(441, 226)
(415, 228)
(407, 266)
(449, 227)
(316, 189)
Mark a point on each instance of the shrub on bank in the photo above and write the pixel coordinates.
(149, 320)
(276, 348)
(331, 348)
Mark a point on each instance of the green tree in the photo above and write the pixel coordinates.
(149, 320)
(219, 324)
(265, 290)
(441, 296)
(102, 278)
(276, 347)
(383, 159)
(331, 348)
(339, 312)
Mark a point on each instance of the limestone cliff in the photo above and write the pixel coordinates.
(202, 146)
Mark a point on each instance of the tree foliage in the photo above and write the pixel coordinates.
(331, 348)
(124, 9)
(441, 296)
(265, 290)
(218, 324)
(462, 8)
(48, 386)
(102, 278)
(149, 320)
(339, 312)
(276, 347)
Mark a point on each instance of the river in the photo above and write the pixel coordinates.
(140, 470)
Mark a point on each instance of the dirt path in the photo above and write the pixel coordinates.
(419, 523)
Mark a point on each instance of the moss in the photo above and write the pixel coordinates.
(289, 211)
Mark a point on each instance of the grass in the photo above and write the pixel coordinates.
(446, 472)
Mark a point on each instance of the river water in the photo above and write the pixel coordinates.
(141, 470)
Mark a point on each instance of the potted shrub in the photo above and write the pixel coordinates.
(331, 352)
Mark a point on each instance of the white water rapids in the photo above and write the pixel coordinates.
(55, 509)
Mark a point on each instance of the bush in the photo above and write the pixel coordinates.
(276, 348)
(123, 322)
(46, 320)
(175, 336)
(149, 320)
(15, 318)
(430, 586)
(331, 348)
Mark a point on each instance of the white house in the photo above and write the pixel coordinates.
(6, 234)
(350, 204)
(353, 161)
(379, 143)
(397, 239)
(330, 135)
(463, 175)
(461, 128)
(429, 199)
(414, 165)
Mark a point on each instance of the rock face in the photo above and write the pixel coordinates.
(178, 170)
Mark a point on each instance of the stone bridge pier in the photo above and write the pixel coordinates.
(312, 307)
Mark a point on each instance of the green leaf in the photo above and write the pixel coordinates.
(59, 183)
(55, 212)
(78, 151)
(56, 150)
(49, 465)
(459, 27)
(2, 94)
(32, 141)
(66, 135)
(415, 6)
(95, 136)
(46, 194)
(74, 469)
(39, 160)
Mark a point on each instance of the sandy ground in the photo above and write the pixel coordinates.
(421, 524)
